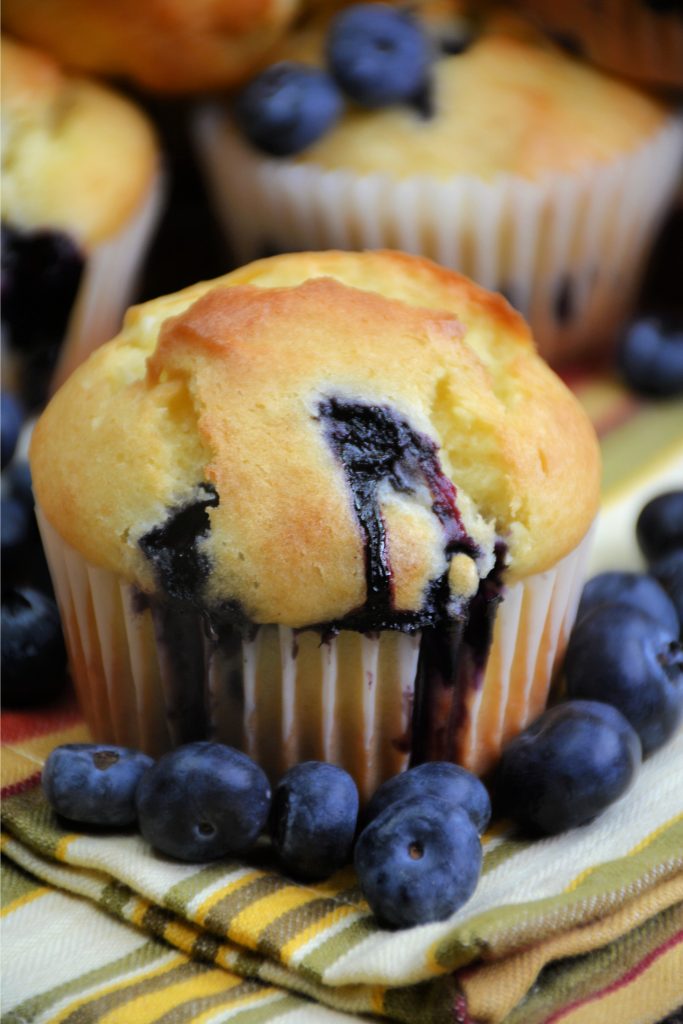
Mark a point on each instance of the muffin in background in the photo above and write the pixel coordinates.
(330, 506)
(81, 192)
(169, 46)
(640, 39)
(527, 170)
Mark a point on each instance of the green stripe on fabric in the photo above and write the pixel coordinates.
(15, 883)
(29, 817)
(330, 950)
(291, 924)
(97, 1007)
(206, 947)
(500, 929)
(182, 893)
(429, 1002)
(114, 899)
(641, 440)
(575, 978)
(264, 1014)
(504, 852)
(221, 915)
(190, 1010)
(34, 1007)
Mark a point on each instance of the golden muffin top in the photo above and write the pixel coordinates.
(172, 46)
(510, 102)
(75, 156)
(315, 435)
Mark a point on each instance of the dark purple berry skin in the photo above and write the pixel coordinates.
(11, 420)
(668, 571)
(621, 656)
(313, 819)
(33, 653)
(636, 589)
(650, 358)
(659, 527)
(202, 801)
(442, 780)
(418, 861)
(94, 783)
(378, 54)
(287, 107)
(566, 767)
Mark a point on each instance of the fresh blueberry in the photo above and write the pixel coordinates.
(94, 783)
(313, 819)
(418, 861)
(15, 531)
(621, 656)
(11, 421)
(636, 589)
(33, 654)
(202, 801)
(668, 571)
(287, 107)
(378, 54)
(650, 357)
(567, 767)
(659, 527)
(439, 779)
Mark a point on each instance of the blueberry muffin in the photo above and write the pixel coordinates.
(330, 506)
(640, 39)
(479, 144)
(80, 193)
(169, 46)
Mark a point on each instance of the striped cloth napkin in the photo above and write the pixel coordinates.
(581, 928)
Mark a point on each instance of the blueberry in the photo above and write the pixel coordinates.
(621, 656)
(567, 767)
(418, 861)
(313, 819)
(650, 358)
(94, 783)
(659, 527)
(668, 571)
(287, 107)
(33, 654)
(202, 801)
(378, 54)
(15, 531)
(11, 421)
(439, 779)
(636, 589)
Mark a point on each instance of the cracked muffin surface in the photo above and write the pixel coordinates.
(278, 443)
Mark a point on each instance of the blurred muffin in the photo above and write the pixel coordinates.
(641, 39)
(527, 170)
(171, 46)
(332, 505)
(80, 197)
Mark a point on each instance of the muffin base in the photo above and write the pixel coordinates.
(148, 675)
(567, 250)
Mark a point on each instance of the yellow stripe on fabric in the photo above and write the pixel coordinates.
(60, 852)
(335, 915)
(248, 924)
(118, 985)
(22, 901)
(647, 997)
(148, 1007)
(237, 883)
(37, 748)
(241, 1003)
(638, 848)
(181, 934)
(138, 911)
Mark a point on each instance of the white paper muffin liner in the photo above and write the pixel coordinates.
(153, 680)
(568, 250)
(624, 36)
(108, 284)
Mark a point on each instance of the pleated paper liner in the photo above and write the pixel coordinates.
(568, 250)
(148, 675)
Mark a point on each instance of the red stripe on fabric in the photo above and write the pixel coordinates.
(21, 787)
(26, 725)
(625, 979)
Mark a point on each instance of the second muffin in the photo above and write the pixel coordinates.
(328, 506)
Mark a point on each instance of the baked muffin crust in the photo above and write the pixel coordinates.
(75, 156)
(222, 396)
